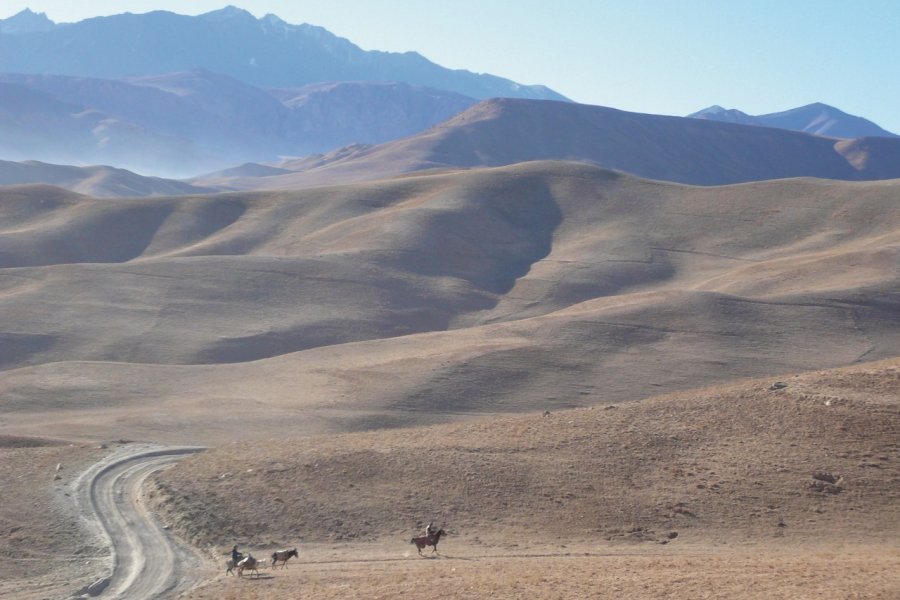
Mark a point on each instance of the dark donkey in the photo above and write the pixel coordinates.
(422, 541)
(282, 556)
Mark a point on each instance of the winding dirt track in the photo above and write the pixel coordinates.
(147, 561)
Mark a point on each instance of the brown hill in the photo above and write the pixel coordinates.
(99, 181)
(508, 131)
(427, 299)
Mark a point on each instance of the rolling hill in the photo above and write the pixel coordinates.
(740, 491)
(430, 298)
(610, 353)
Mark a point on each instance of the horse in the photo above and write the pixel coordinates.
(231, 563)
(422, 541)
(283, 556)
(248, 564)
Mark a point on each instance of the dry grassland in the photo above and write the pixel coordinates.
(365, 358)
(701, 494)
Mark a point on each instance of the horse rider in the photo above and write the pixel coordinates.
(430, 530)
(235, 555)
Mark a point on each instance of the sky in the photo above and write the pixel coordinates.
(656, 56)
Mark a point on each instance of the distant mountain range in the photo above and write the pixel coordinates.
(181, 124)
(266, 52)
(296, 106)
(817, 119)
(179, 95)
(502, 132)
(507, 131)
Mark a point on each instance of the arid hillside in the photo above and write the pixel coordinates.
(427, 299)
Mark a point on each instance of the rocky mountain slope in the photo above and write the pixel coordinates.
(265, 52)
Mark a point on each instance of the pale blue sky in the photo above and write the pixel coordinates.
(657, 56)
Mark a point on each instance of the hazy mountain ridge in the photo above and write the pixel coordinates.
(26, 21)
(508, 131)
(265, 52)
(817, 119)
(37, 125)
(164, 115)
(98, 181)
(186, 123)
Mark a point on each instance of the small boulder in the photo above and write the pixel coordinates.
(828, 483)
(96, 588)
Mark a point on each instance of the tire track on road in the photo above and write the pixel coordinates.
(148, 562)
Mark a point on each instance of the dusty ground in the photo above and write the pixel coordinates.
(718, 493)
(769, 571)
(43, 548)
(573, 503)
(721, 464)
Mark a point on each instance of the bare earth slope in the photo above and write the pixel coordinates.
(427, 298)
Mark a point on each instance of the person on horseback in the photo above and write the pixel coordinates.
(430, 530)
(235, 555)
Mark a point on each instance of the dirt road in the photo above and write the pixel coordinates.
(147, 560)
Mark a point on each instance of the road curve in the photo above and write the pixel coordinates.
(147, 560)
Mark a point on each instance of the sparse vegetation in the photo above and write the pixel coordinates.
(480, 348)
(724, 470)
